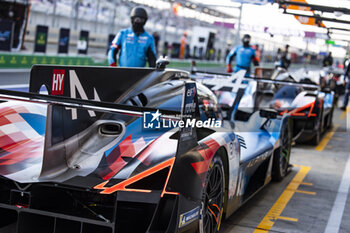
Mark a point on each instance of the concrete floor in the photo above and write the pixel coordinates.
(311, 209)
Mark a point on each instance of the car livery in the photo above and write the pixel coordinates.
(83, 159)
(310, 109)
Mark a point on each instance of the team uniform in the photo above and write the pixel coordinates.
(243, 58)
(134, 49)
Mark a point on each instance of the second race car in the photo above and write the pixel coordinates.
(310, 108)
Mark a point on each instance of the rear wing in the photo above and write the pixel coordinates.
(230, 80)
(96, 83)
(107, 84)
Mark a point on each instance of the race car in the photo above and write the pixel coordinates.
(328, 78)
(104, 151)
(311, 110)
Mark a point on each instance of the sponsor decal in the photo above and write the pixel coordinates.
(63, 41)
(77, 88)
(259, 159)
(190, 111)
(41, 39)
(188, 217)
(5, 35)
(129, 40)
(142, 39)
(83, 41)
(57, 82)
(82, 44)
(228, 84)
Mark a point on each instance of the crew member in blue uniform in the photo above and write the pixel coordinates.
(244, 55)
(135, 45)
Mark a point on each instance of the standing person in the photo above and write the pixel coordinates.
(135, 45)
(285, 58)
(257, 52)
(244, 55)
(278, 55)
(328, 60)
(346, 61)
(347, 87)
(183, 45)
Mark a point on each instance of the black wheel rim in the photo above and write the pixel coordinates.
(285, 151)
(213, 200)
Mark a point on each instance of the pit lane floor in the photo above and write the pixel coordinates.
(314, 197)
(304, 201)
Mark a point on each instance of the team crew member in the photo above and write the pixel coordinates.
(347, 87)
(244, 55)
(183, 46)
(328, 60)
(135, 45)
(285, 58)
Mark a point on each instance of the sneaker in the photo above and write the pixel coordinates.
(343, 108)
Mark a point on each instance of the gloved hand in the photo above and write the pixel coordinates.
(113, 64)
(229, 68)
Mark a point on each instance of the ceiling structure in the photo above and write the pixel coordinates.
(336, 20)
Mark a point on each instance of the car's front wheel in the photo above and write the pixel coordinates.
(212, 198)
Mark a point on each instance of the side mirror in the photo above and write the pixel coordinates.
(161, 63)
(268, 113)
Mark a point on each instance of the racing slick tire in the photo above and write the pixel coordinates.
(330, 119)
(211, 210)
(281, 156)
(315, 140)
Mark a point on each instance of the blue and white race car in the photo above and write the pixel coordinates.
(310, 108)
(130, 150)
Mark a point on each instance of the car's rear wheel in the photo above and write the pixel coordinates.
(317, 137)
(282, 155)
(330, 118)
(213, 198)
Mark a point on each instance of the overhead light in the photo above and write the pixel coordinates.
(193, 6)
(206, 10)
